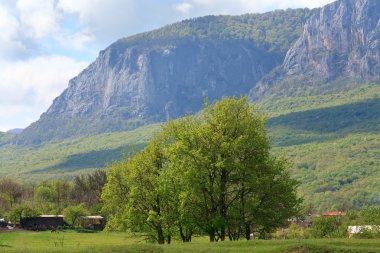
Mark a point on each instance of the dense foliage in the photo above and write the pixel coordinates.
(73, 214)
(72, 198)
(275, 31)
(212, 172)
(5, 138)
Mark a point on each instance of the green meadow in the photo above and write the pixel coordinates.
(70, 241)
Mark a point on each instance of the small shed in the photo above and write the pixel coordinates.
(42, 222)
(353, 230)
(95, 222)
(3, 223)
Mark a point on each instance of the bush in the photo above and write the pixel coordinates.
(73, 213)
(293, 232)
(371, 215)
(297, 232)
(19, 212)
(329, 227)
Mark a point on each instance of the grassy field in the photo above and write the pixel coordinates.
(69, 241)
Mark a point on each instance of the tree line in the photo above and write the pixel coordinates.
(18, 200)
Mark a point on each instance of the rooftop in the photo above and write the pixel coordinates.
(334, 214)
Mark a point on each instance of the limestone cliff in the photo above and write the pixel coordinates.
(339, 42)
(169, 73)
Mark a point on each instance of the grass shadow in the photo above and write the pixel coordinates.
(89, 160)
(325, 124)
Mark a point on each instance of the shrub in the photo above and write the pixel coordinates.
(328, 227)
(73, 213)
(19, 212)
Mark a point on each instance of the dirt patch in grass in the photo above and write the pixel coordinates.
(298, 249)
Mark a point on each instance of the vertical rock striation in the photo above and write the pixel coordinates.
(341, 41)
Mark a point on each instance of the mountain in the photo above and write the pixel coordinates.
(168, 73)
(5, 138)
(340, 44)
(15, 131)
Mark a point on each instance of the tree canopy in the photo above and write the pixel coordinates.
(210, 173)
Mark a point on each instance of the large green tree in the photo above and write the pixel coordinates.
(231, 181)
(212, 172)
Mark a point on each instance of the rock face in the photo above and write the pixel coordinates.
(168, 73)
(341, 41)
(128, 86)
(163, 82)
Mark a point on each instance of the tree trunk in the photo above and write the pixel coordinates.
(186, 237)
(211, 234)
(181, 233)
(247, 232)
(222, 203)
(160, 236)
(230, 234)
(223, 233)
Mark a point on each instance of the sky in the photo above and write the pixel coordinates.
(45, 43)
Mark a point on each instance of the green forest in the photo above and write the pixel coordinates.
(275, 31)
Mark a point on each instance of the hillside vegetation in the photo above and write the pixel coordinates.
(5, 138)
(332, 140)
(72, 156)
(334, 144)
(275, 31)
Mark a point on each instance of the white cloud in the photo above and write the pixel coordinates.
(76, 41)
(184, 7)
(235, 7)
(39, 17)
(9, 27)
(16, 116)
(106, 20)
(30, 86)
(36, 82)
